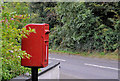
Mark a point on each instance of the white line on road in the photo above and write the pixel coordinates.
(101, 66)
(57, 59)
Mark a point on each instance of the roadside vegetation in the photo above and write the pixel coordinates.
(81, 27)
(14, 18)
(86, 29)
(102, 55)
(0, 45)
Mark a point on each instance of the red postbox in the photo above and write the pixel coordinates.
(36, 44)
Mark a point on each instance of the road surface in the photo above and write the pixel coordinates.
(78, 67)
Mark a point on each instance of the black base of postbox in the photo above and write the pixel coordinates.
(34, 71)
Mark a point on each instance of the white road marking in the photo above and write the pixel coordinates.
(57, 59)
(101, 66)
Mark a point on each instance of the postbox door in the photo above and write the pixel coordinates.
(46, 45)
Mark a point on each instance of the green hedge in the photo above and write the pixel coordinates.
(86, 27)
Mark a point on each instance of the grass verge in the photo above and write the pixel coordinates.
(110, 56)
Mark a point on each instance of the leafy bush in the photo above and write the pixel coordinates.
(78, 27)
(86, 27)
(12, 32)
(108, 31)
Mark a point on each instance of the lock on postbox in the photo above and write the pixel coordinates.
(36, 44)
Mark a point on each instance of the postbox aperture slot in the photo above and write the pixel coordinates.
(47, 31)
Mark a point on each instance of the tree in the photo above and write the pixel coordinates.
(43, 12)
(108, 32)
(86, 27)
(78, 27)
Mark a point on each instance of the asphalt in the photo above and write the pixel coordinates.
(78, 67)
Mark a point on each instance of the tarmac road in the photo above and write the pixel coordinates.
(78, 67)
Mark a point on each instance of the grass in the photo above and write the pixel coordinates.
(110, 56)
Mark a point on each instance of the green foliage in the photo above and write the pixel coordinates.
(86, 27)
(102, 53)
(12, 32)
(20, 12)
(0, 46)
(43, 12)
(78, 29)
(109, 14)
